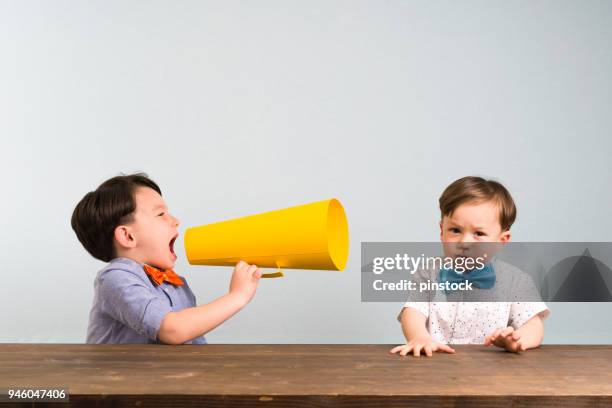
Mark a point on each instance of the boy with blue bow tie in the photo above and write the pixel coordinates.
(473, 211)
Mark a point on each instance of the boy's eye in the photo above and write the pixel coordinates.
(480, 233)
(161, 214)
(454, 230)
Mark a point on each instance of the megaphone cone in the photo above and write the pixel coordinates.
(310, 236)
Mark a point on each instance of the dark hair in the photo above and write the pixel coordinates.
(96, 216)
(477, 189)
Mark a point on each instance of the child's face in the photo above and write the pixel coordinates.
(153, 230)
(472, 223)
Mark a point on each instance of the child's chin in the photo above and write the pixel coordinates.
(163, 265)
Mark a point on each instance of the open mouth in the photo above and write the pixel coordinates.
(171, 245)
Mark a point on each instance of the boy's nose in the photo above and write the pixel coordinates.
(466, 238)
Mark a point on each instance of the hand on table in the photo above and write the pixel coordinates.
(425, 344)
(506, 338)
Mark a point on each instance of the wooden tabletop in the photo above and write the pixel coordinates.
(309, 375)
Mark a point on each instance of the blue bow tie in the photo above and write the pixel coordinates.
(481, 278)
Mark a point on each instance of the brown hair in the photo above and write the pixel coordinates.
(477, 189)
(96, 216)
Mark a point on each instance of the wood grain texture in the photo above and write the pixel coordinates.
(309, 375)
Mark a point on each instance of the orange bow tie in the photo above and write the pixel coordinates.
(160, 276)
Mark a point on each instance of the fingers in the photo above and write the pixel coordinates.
(506, 333)
(251, 269)
(445, 348)
(496, 334)
(507, 338)
(490, 339)
(513, 346)
(252, 272)
(416, 348)
(244, 269)
(396, 349)
(516, 346)
(406, 350)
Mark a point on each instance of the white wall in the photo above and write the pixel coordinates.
(240, 107)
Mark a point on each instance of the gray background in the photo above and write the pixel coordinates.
(236, 108)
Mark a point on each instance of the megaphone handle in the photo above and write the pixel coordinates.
(278, 274)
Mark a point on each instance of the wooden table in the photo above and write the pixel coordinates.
(309, 375)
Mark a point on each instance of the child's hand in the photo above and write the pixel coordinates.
(245, 279)
(506, 338)
(423, 343)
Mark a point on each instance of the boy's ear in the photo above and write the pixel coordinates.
(124, 237)
(440, 229)
(505, 236)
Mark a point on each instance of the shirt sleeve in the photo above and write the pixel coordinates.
(126, 298)
(422, 307)
(521, 312)
(416, 299)
(527, 302)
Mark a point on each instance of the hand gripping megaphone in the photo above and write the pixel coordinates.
(309, 236)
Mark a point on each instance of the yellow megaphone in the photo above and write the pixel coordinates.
(310, 236)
